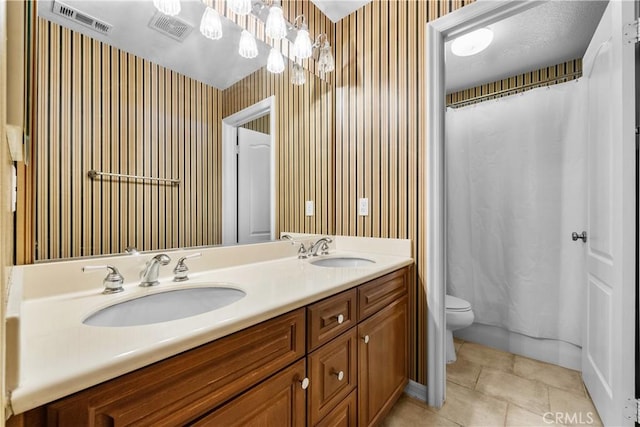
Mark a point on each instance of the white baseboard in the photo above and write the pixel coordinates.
(416, 390)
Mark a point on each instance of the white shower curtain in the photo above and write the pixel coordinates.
(516, 177)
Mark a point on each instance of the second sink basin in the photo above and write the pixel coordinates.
(165, 306)
(343, 262)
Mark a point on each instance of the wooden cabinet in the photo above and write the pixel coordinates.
(333, 374)
(352, 346)
(182, 388)
(279, 401)
(330, 317)
(382, 361)
(343, 415)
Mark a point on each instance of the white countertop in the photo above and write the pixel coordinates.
(59, 355)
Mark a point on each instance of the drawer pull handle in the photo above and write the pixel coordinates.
(304, 383)
(340, 319)
(340, 375)
(365, 339)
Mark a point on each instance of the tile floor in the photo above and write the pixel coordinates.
(488, 387)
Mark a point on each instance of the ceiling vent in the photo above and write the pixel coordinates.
(170, 26)
(74, 14)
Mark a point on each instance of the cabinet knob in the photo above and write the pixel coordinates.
(340, 319)
(339, 374)
(304, 383)
(365, 339)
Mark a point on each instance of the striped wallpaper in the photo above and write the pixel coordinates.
(558, 73)
(101, 108)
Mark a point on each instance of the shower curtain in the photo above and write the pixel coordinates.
(516, 189)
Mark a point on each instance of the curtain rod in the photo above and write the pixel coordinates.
(481, 98)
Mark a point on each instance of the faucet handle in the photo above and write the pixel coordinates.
(181, 268)
(302, 252)
(113, 282)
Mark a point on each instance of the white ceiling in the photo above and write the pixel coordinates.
(338, 9)
(216, 63)
(545, 35)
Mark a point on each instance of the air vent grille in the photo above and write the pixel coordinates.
(70, 13)
(170, 26)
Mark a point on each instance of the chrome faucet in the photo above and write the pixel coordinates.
(321, 244)
(149, 276)
(113, 282)
(181, 269)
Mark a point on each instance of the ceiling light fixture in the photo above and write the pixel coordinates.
(326, 64)
(472, 43)
(276, 26)
(297, 75)
(248, 47)
(275, 62)
(240, 7)
(168, 7)
(302, 46)
(210, 24)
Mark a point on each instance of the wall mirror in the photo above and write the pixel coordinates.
(120, 90)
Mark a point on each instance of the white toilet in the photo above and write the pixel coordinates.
(459, 315)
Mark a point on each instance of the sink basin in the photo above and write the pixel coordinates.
(343, 262)
(165, 306)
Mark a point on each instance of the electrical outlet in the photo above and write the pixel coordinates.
(308, 208)
(363, 206)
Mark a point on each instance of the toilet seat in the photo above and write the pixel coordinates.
(456, 304)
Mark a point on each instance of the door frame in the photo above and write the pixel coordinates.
(230, 127)
(468, 18)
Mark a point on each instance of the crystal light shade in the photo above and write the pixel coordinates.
(297, 75)
(276, 26)
(275, 62)
(241, 7)
(302, 46)
(210, 25)
(326, 64)
(168, 7)
(248, 47)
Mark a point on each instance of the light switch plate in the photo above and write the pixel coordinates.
(308, 208)
(363, 206)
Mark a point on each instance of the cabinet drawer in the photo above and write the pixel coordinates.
(178, 390)
(343, 415)
(332, 374)
(330, 317)
(279, 401)
(381, 292)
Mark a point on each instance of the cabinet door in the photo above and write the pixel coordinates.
(333, 374)
(279, 401)
(382, 361)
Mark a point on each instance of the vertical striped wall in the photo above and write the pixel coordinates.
(380, 133)
(304, 148)
(100, 108)
(559, 73)
(261, 124)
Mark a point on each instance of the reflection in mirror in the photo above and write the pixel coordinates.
(104, 108)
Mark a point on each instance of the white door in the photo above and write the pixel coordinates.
(254, 186)
(608, 348)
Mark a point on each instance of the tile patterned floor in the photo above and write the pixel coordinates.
(488, 387)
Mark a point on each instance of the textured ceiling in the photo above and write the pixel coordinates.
(216, 63)
(338, 9)
(554, 32)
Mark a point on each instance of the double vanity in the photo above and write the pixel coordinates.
(256, 335)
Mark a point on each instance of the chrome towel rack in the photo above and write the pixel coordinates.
(94, 174)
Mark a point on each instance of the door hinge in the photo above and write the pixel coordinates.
(237, 149)
(632, 410)
(632, 31)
